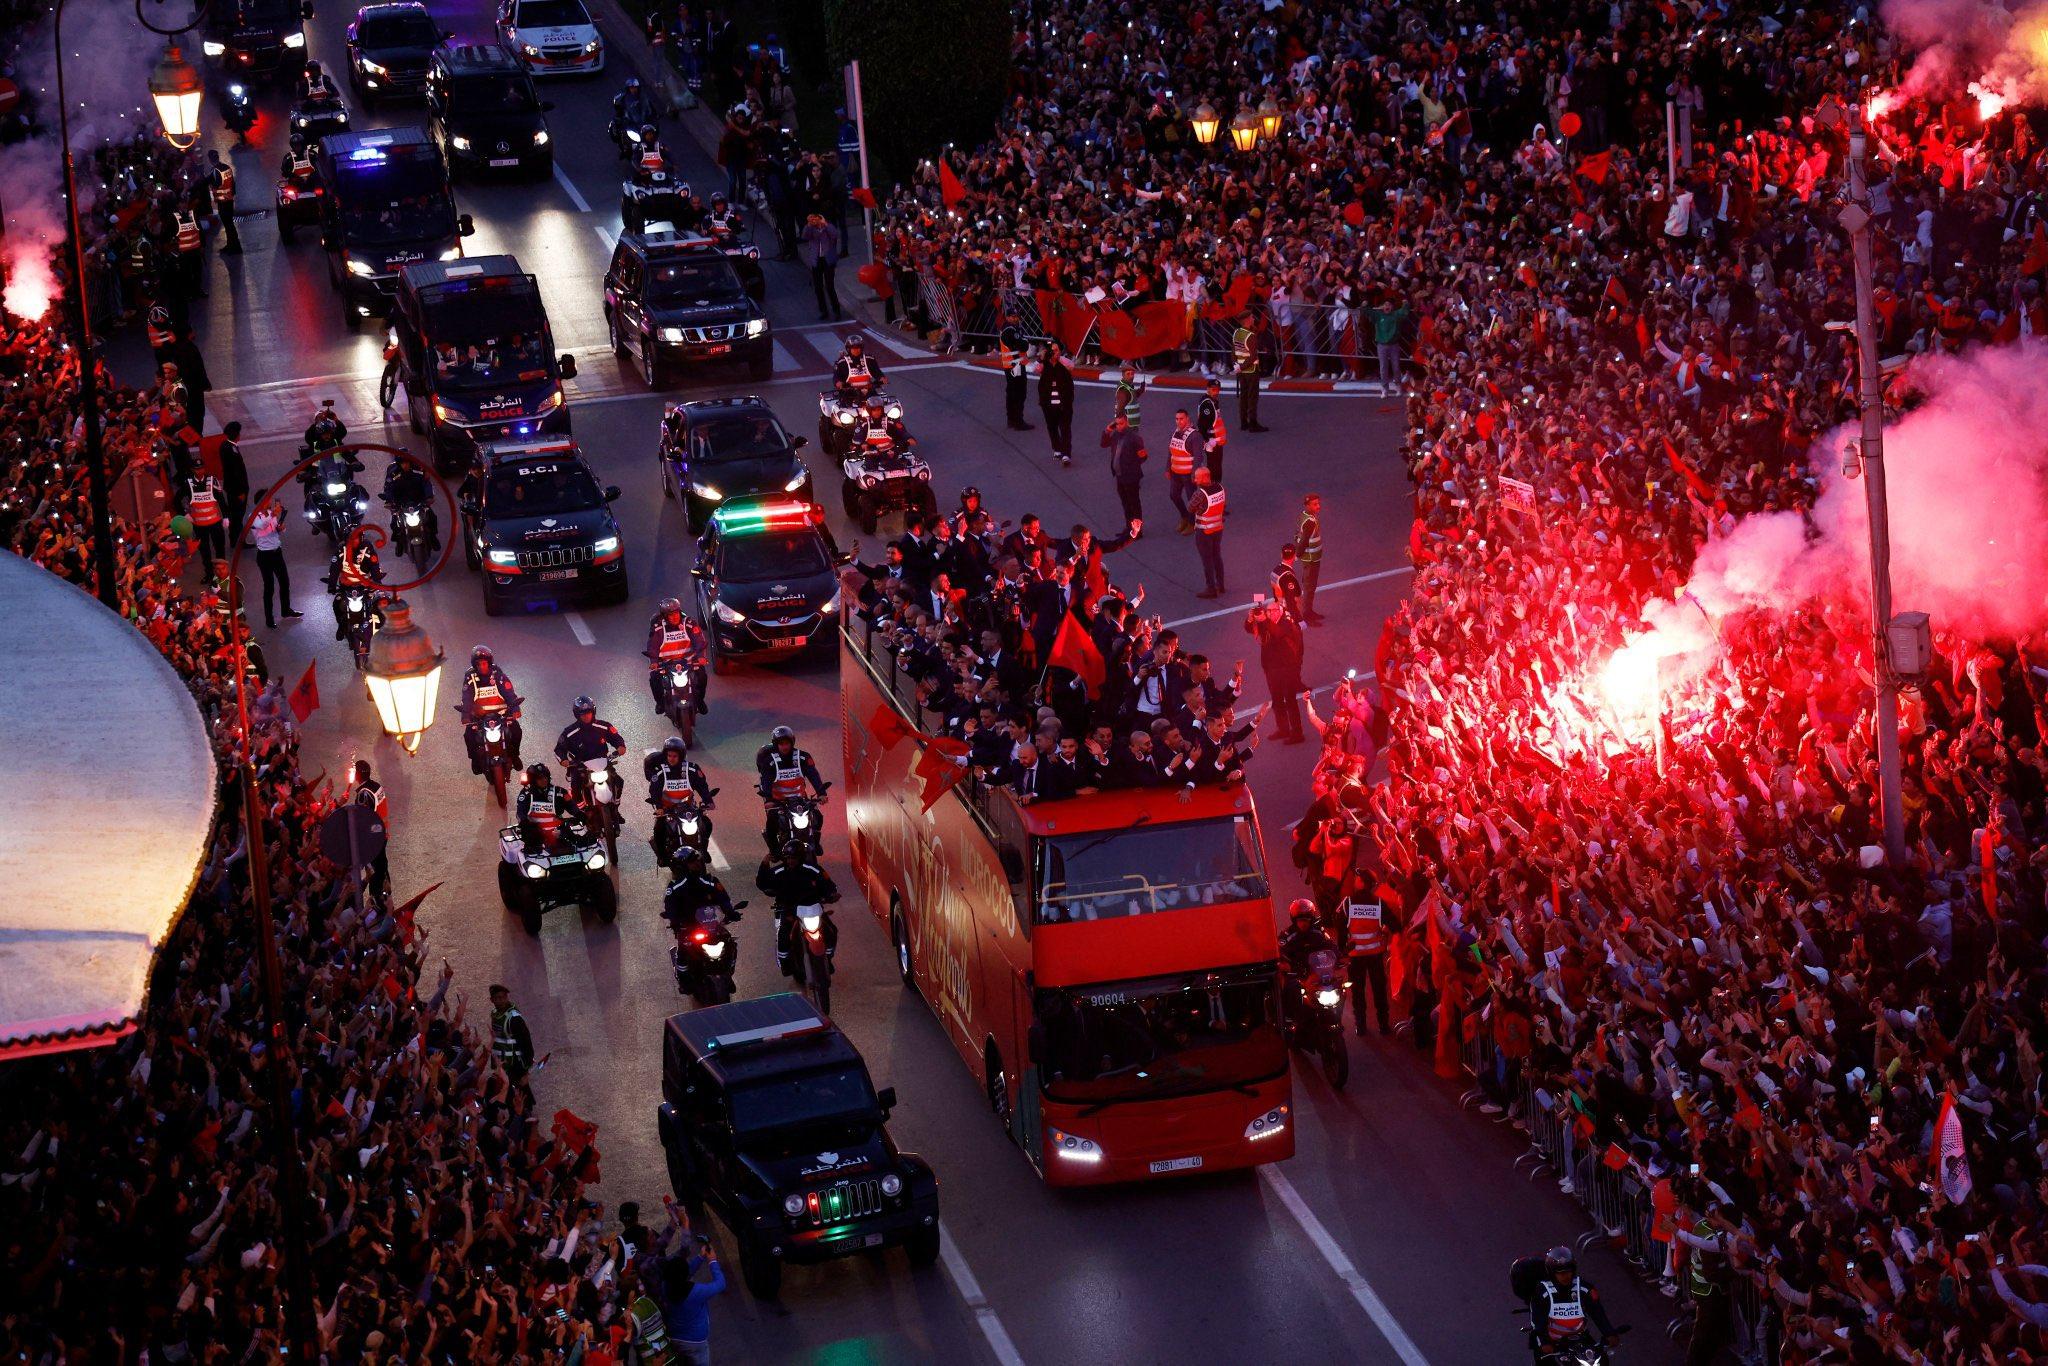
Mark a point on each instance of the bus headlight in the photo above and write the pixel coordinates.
(1072, 1146)
(1274, 1121)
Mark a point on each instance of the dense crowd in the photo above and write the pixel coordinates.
(141, 1209)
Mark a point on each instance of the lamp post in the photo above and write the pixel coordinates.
(176, 90)
(1204, 122)
(1269, 118)
(403, 676)
(1244, 130)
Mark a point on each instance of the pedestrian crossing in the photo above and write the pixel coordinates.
(285, 407)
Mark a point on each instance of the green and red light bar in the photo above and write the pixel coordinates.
(768, 515)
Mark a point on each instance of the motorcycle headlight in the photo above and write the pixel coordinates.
(800, 820)
(459, 143)
(336, 490)
(355, 602)
(730, 615)
(604, 545)
(596, 859)
(1274, 1121)
(689, 824)
(811, 923)
(792, 1205)
(295, 40)
(892, 1184)
(1073, 1147)
(540, 139)
(756, 326)
(894, 412)
(535, 870)
(356, 267)
(237, 91)
(715, 950)
(710, 493)
(796, 481)
(1328, 996)
(452, 254)
(633, 136)
(503, 557)
(213, 49)
(362, 505)
(412, 519)
(671, 334)
(492, 734)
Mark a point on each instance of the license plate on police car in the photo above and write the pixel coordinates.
(1177, 1164)
(872, 1240)
(786, 642)
(504, 161)
(549, 574)
(717, 350)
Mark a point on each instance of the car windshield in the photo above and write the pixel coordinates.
(1143, 869)
(1161, 1036)
(737, 438)
(772, 555)
(496, 93)
(550, 14)
(413, 29)
(488, 339)
(398, 197)
(539, 488)
(258, 14)
(838, 1097)
(687, 280)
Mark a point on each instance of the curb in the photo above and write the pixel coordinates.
(1366, 387)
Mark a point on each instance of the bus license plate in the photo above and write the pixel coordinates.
(550, 574)
(1177, 1164)
(504, 161)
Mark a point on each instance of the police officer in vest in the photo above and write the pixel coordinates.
(1183, 452)
(488, 692)
(1010, 350)
(511, 1040)
(1308, 555)
(1130, 391)
(1562, 1305)
(368, 793)
(220, 183)
(543, 809)
(856, 374)
(191, 251)
(1705, 1277)
(162, 336)
(673, 636)
(1207, 507)
(1365, 934)
(674, 783)
(1249, 346)
(1209, 422)
(785, 773)
(206, 506)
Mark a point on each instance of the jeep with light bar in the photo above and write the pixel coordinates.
(540, 528)
(386, 205)
(477, 357)
(769, 1117)
(767, 580)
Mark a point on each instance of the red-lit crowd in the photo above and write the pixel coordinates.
(141, 1208)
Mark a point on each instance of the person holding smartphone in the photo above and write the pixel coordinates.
(690, 1278)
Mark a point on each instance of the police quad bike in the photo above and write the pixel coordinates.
(317, 115)
(1315, 1015)
(653, 197)
(706, 957)
(875, 480)
(838, 415)
(569, 870)
(736, 241)
(594, 786)
(796, 818)
(495, 747)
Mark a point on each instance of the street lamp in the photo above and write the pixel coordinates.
(1244, 130)
(1205, 123)
(1269, 118)
(177, 90)
(403, 676)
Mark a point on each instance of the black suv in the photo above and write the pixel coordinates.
(673, 296)
(769, 1117)
(389, 46)
(767, 580)
(486, 113)
(249, 38)
(717, 449)
(537, 524)
(385, 205)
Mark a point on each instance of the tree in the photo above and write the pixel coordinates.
(932, 72)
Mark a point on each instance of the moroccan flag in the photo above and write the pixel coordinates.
(1951, 1158)
(1354, 214)
(1145, 330)
(1615, 1158)
(1237, 296)
(942, 765)
(305, 698)
(1418, 544)
(1074, 650)
(1747, 1115)
(1616, 292)
(1067, 319)
(1687, 472)
(2037, 252)
(1643, 336)
(404, 914)
(950, 188)
(888, 727)
(1595, 167)
(863, 196)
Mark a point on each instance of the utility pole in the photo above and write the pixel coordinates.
(1856, 218)
(860, 124)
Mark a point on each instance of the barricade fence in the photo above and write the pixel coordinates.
(1618, 1198)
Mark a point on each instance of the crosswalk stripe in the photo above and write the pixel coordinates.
(879, 338)
(785, 357)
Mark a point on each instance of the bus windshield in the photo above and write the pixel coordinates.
(1163, 1036)
(1145, 869)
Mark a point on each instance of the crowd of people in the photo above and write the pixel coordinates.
(142, 1212)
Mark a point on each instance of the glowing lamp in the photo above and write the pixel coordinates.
(1244, 130)
(1269, 118)
(403, 676)
(177, 90)
(1205, 123)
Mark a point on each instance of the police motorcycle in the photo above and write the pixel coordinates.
(678, 691)
(299, 192)
(594, 785)
(358, 601)
(880, 474)
(238, 112)
(705, 956)
(415, 529)
(685, 824)
(565, 869)
(652, 194)
(1313, 1020)
(496, 747)
(335, 501)
(796, 818)
(631, 116)
(1567, 1342)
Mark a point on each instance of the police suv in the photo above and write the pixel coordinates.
(767, 580)
(538, 525)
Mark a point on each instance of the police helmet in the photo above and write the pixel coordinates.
(481, 655)
(781, 733)
(675, 743)
(581, 705)
(717, 198)
(632, 82)
(969, 492)
(794, 849)
(1560, 1261)
(670, 607)
(537, 775)
(690, 858)
(160, 316)
(313, 69)
(1302, 909)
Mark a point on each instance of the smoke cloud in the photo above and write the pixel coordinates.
(108, 56)
(1998, 54)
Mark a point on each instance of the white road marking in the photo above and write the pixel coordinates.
(1361, 1290)
(579, 628)
(970, 1294)
(605, 235)
(569, 189)
(719, 862)
(1321, 589)
(786, 359)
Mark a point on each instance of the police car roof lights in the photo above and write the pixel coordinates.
(367, 154)
(766, 515)
(519, 450)
(768, 1033)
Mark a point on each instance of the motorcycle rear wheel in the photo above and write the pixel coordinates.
(1336, 1060)
(819, 980)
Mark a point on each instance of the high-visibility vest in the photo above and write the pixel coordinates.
(224, 185)
(651, 159)
(1212, 411)
(502, 1042)
(203, 505)
(857, 376)
(1012, 359)
(1567, 1310)
(1127, 400)
(188, 230)
(1308, 544)
(1367, 923)
(302, 165)
(160, 337)
(1180, 455)
(878, 440)
(486, 697)
(545, 812)
(1209, 521)
(675, 642)
(1244, 350)
(676, 787)
(371, 795)
(138, 254)
(1701, 1280)
(786, 776)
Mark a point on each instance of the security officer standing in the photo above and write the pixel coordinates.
(1015, 360)
(1209, 422)
(1183, 450)
(368, 793)
(234, 479)
(162, 336)
(1249, 346)
(1130, 390)
(191, 251)
(1366, 941)
(205, 506)
(220, 182)
(1308, 555)
(1056, 401)
(1207, 507)
(511, 1040)
(1286, 583)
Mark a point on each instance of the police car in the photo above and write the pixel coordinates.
(767, 580)
(728, 448)
(673, 297)
(540, 528)
(553, 37)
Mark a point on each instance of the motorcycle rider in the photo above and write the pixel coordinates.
(653, 155)
(327, 430)
(1562, 1304)
(789, 879)
(722, 219)
(786, 772)
(488, 693)
(856, 374)
(674, 783)
(316, 85)
(355, 566)
(695, 887)
(587, 739)
(1303, 938)
(297, 163)
(878, 434)
(673, 636)
(405, 484)
(630, 109)
(543, 809)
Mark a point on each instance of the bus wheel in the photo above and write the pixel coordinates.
(998, 1088)
(899, 935)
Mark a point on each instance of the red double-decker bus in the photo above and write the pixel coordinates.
(1106, 964)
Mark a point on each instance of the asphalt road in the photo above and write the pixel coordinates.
(1387, 1237)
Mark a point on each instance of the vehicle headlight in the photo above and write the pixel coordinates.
(1328, 996)
(800, 820)
(503, 557)
(671, 334)
(894, 412)
(868, 481)
(832, 603)
(336, 490)
(493, 734)
(590, 49)
(549, 404)
(843, 418)
(756, 326)
(596, 859)
(412, 519)
(355, 602)
(1274, 1121)
(237, 91)
(796, 481)
(213, 49)
(811, 923)
(792, 1205)
(295, 40)
(452, 254)
(892, 1184)
(715, 950)
(535, 869)
(375, 68)
(362, 505)
(604, 545)
(730, 615)
(710, 493)
(540, 139)
(356, 267)
(459, 143)
(442, 412)
(1072, 1146)
(530, 50)
(633, 135)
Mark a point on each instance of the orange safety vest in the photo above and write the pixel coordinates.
(544, 812)
(857, 376)
(203, 507)
(224, 192)
(676, 788)
(1180, 459)
(675, 642)
(1013, 361)
(160, 337)
(188, 231)
(878, 440)
(1367, 921)
(1209, 521)
(651, 159)
(487, 698)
